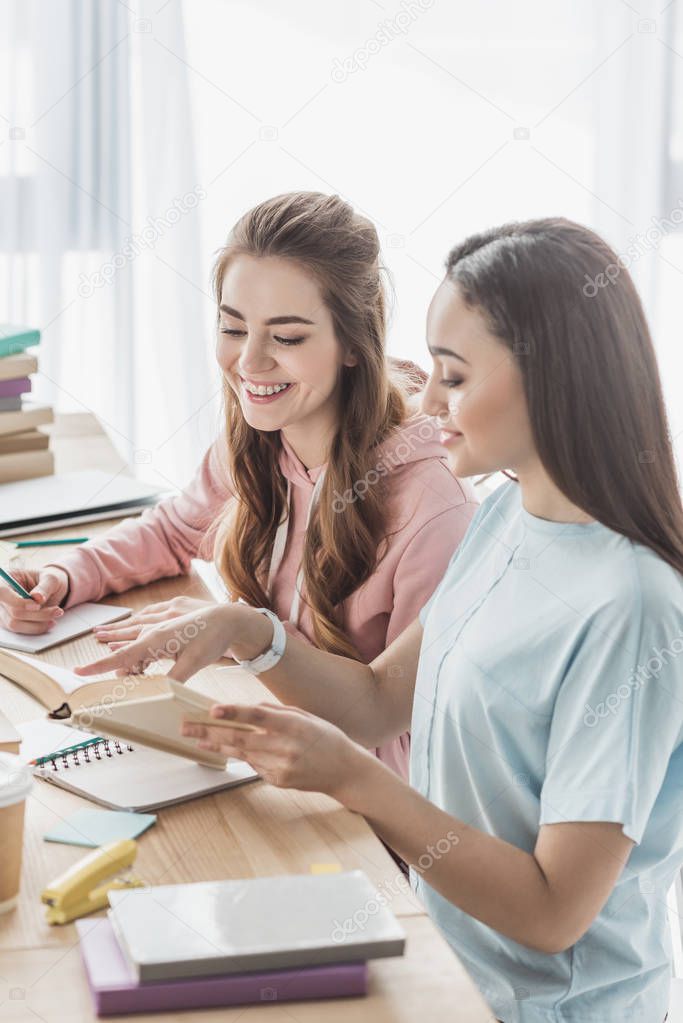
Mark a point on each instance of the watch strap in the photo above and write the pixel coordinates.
(270, 657)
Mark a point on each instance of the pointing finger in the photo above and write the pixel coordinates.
(131, 655)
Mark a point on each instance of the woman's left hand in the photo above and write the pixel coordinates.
(154, 614)
(290, 748)
(193, 641)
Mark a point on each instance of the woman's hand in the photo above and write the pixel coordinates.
(47, 586)
(193, 641)
(288, 747)
(166, 611)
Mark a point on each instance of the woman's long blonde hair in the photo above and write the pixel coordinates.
(340, 249)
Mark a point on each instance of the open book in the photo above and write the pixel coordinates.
(64, 692)
(155, 721)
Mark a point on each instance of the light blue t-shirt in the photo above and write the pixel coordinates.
(550, 689)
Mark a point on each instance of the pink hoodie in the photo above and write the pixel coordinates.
(428, 512)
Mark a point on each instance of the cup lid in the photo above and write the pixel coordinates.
(15, 779)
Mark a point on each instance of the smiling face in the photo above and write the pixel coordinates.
(279, 352)
(475, 390)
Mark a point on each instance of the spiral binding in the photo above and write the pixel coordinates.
(77, 756)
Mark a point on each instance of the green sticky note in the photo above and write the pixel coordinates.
(96, 827)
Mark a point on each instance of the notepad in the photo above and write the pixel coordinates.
(122, 776)
(74, 622)
(93, 828)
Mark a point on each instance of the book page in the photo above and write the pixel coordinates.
(62, 676)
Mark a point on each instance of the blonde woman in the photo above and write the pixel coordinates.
(328, 499)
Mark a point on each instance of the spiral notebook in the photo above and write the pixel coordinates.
(117, 774)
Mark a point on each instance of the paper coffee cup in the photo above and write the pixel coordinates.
(15, 785)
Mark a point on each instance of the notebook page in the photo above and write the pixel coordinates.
(74, 622)
(44, 736)
(131, 780)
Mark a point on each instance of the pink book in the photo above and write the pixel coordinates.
(12, 388)
(115, 989)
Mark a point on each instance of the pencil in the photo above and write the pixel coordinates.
(17, 587)
(50, 543)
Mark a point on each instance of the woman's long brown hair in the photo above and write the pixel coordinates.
(590, 373)
(340, 249)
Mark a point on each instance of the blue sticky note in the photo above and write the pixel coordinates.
(95, 827)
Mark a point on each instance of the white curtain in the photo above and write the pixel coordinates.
(440, 119)
(633, 122)
(435, 119)
(99, 227)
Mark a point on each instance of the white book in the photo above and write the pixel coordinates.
(263, 923)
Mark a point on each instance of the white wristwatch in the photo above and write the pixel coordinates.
(270, 657)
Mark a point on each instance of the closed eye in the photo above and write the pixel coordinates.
(452, 383)
(282, 340)
(289, 340)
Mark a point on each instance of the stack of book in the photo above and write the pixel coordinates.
(24, 447)
(221, 943)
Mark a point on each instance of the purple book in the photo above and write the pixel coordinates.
(115, 989)
(11, 388)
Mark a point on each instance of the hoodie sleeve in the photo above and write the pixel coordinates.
(423, 563)
(162, 542)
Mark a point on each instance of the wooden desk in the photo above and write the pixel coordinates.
(253, 830)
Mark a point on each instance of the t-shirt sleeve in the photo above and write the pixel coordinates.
(618, 717)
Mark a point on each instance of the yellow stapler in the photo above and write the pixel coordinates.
(83, 888)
